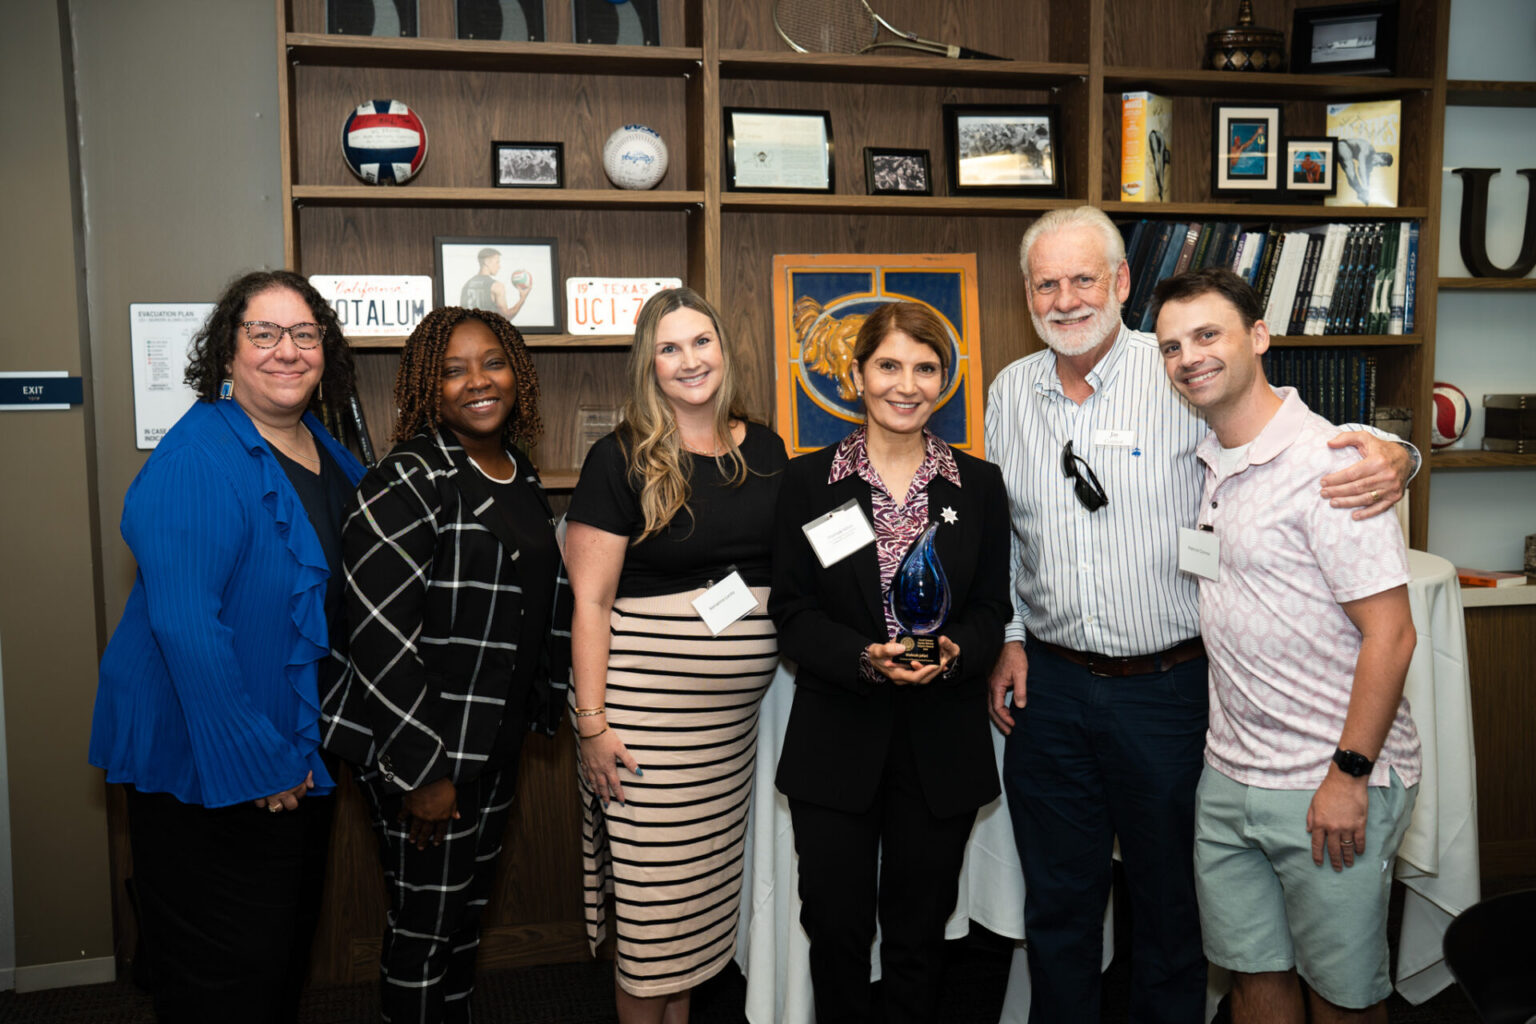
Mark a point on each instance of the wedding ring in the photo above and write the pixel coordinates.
(1346, 842)
(1375, 496)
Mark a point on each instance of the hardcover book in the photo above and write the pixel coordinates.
(1369, 151)
(1482, 578)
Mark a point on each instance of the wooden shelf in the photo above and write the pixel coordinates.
(1220, 84)
(1498, 597)
(562, 342)
(478, 55)
(952, 206)
(1267, 211)
(1473, 93)
(559, 479)
(1488, 284)
(1345, 340)
(885, 69)
(409, 195)
(1480, 460)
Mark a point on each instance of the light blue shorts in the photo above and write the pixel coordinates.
(1265, 906)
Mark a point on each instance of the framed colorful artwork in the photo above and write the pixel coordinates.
(819, 303)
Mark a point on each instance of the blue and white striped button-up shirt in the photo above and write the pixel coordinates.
(1107, 581)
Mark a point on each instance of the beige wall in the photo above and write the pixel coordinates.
(48, 621)
(179, 189)
(179, 141)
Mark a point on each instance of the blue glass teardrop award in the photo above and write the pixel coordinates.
(919, 599)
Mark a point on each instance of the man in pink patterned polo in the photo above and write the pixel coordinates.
(1312, 760)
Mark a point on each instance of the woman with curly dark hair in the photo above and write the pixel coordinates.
(451, 569)
(208, 705)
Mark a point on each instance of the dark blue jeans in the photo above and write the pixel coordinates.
(1093, 759)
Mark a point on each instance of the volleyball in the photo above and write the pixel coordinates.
(521, 279)
(384, 142)
(1451, 412)
(635, 157)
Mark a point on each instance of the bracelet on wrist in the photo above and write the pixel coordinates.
(589, 712)
(592, 736)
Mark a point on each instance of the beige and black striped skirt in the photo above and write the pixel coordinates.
(686, 705)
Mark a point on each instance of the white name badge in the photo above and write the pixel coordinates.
(839, 533)
(1114, 438)
(1199, 553)
(724, 603)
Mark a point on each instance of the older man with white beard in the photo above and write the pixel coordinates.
(1098, 454)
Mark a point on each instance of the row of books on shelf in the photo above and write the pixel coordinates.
(1339, 384)
(1348, 279)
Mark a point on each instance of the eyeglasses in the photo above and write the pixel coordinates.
(265, 335)
(1087, 487)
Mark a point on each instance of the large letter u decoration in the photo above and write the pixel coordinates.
(1474, 223)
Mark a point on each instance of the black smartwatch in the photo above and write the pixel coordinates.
(1351, 763)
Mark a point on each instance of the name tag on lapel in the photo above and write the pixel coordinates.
(839, 533)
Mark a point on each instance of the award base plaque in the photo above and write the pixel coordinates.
(922, 650)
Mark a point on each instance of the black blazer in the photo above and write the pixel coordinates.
(434, 612)
(840, 725)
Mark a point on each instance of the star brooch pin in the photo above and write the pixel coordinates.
(950, 515)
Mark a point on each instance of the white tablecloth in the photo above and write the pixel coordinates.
(772, 948)
(1438, 861)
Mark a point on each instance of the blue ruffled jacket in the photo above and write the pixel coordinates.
(208, 687)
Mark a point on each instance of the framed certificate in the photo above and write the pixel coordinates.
(778, 150)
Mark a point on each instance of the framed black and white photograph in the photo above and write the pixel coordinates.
(778, 150)
(1002, 149)
(528, 164)
(512, 21)
(1311, 165)
(1354, 39)
(385, 18)
(516, 277)
(897, 172)
(621, 23)
(1246, 149)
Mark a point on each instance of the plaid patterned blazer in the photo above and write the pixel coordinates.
(434, 609)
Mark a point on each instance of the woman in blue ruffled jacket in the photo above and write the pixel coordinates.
(208, 709)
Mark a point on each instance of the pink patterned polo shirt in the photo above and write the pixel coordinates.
(1282, 651)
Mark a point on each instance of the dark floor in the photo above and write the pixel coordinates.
(583, 994)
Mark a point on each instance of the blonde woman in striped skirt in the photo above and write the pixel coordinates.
(676, 503)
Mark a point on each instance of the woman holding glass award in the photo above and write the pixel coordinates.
(886, 760)
(668, 551)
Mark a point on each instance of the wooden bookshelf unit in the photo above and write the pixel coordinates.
(1077, 54)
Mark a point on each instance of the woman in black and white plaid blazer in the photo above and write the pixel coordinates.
(457, 646)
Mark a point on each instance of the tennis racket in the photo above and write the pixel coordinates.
(852, 26)
(360, 424)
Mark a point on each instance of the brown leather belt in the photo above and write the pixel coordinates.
(1141, 665)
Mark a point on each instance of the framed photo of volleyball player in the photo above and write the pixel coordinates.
(516, 277)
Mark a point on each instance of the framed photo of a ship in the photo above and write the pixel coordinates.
(1353, 39)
